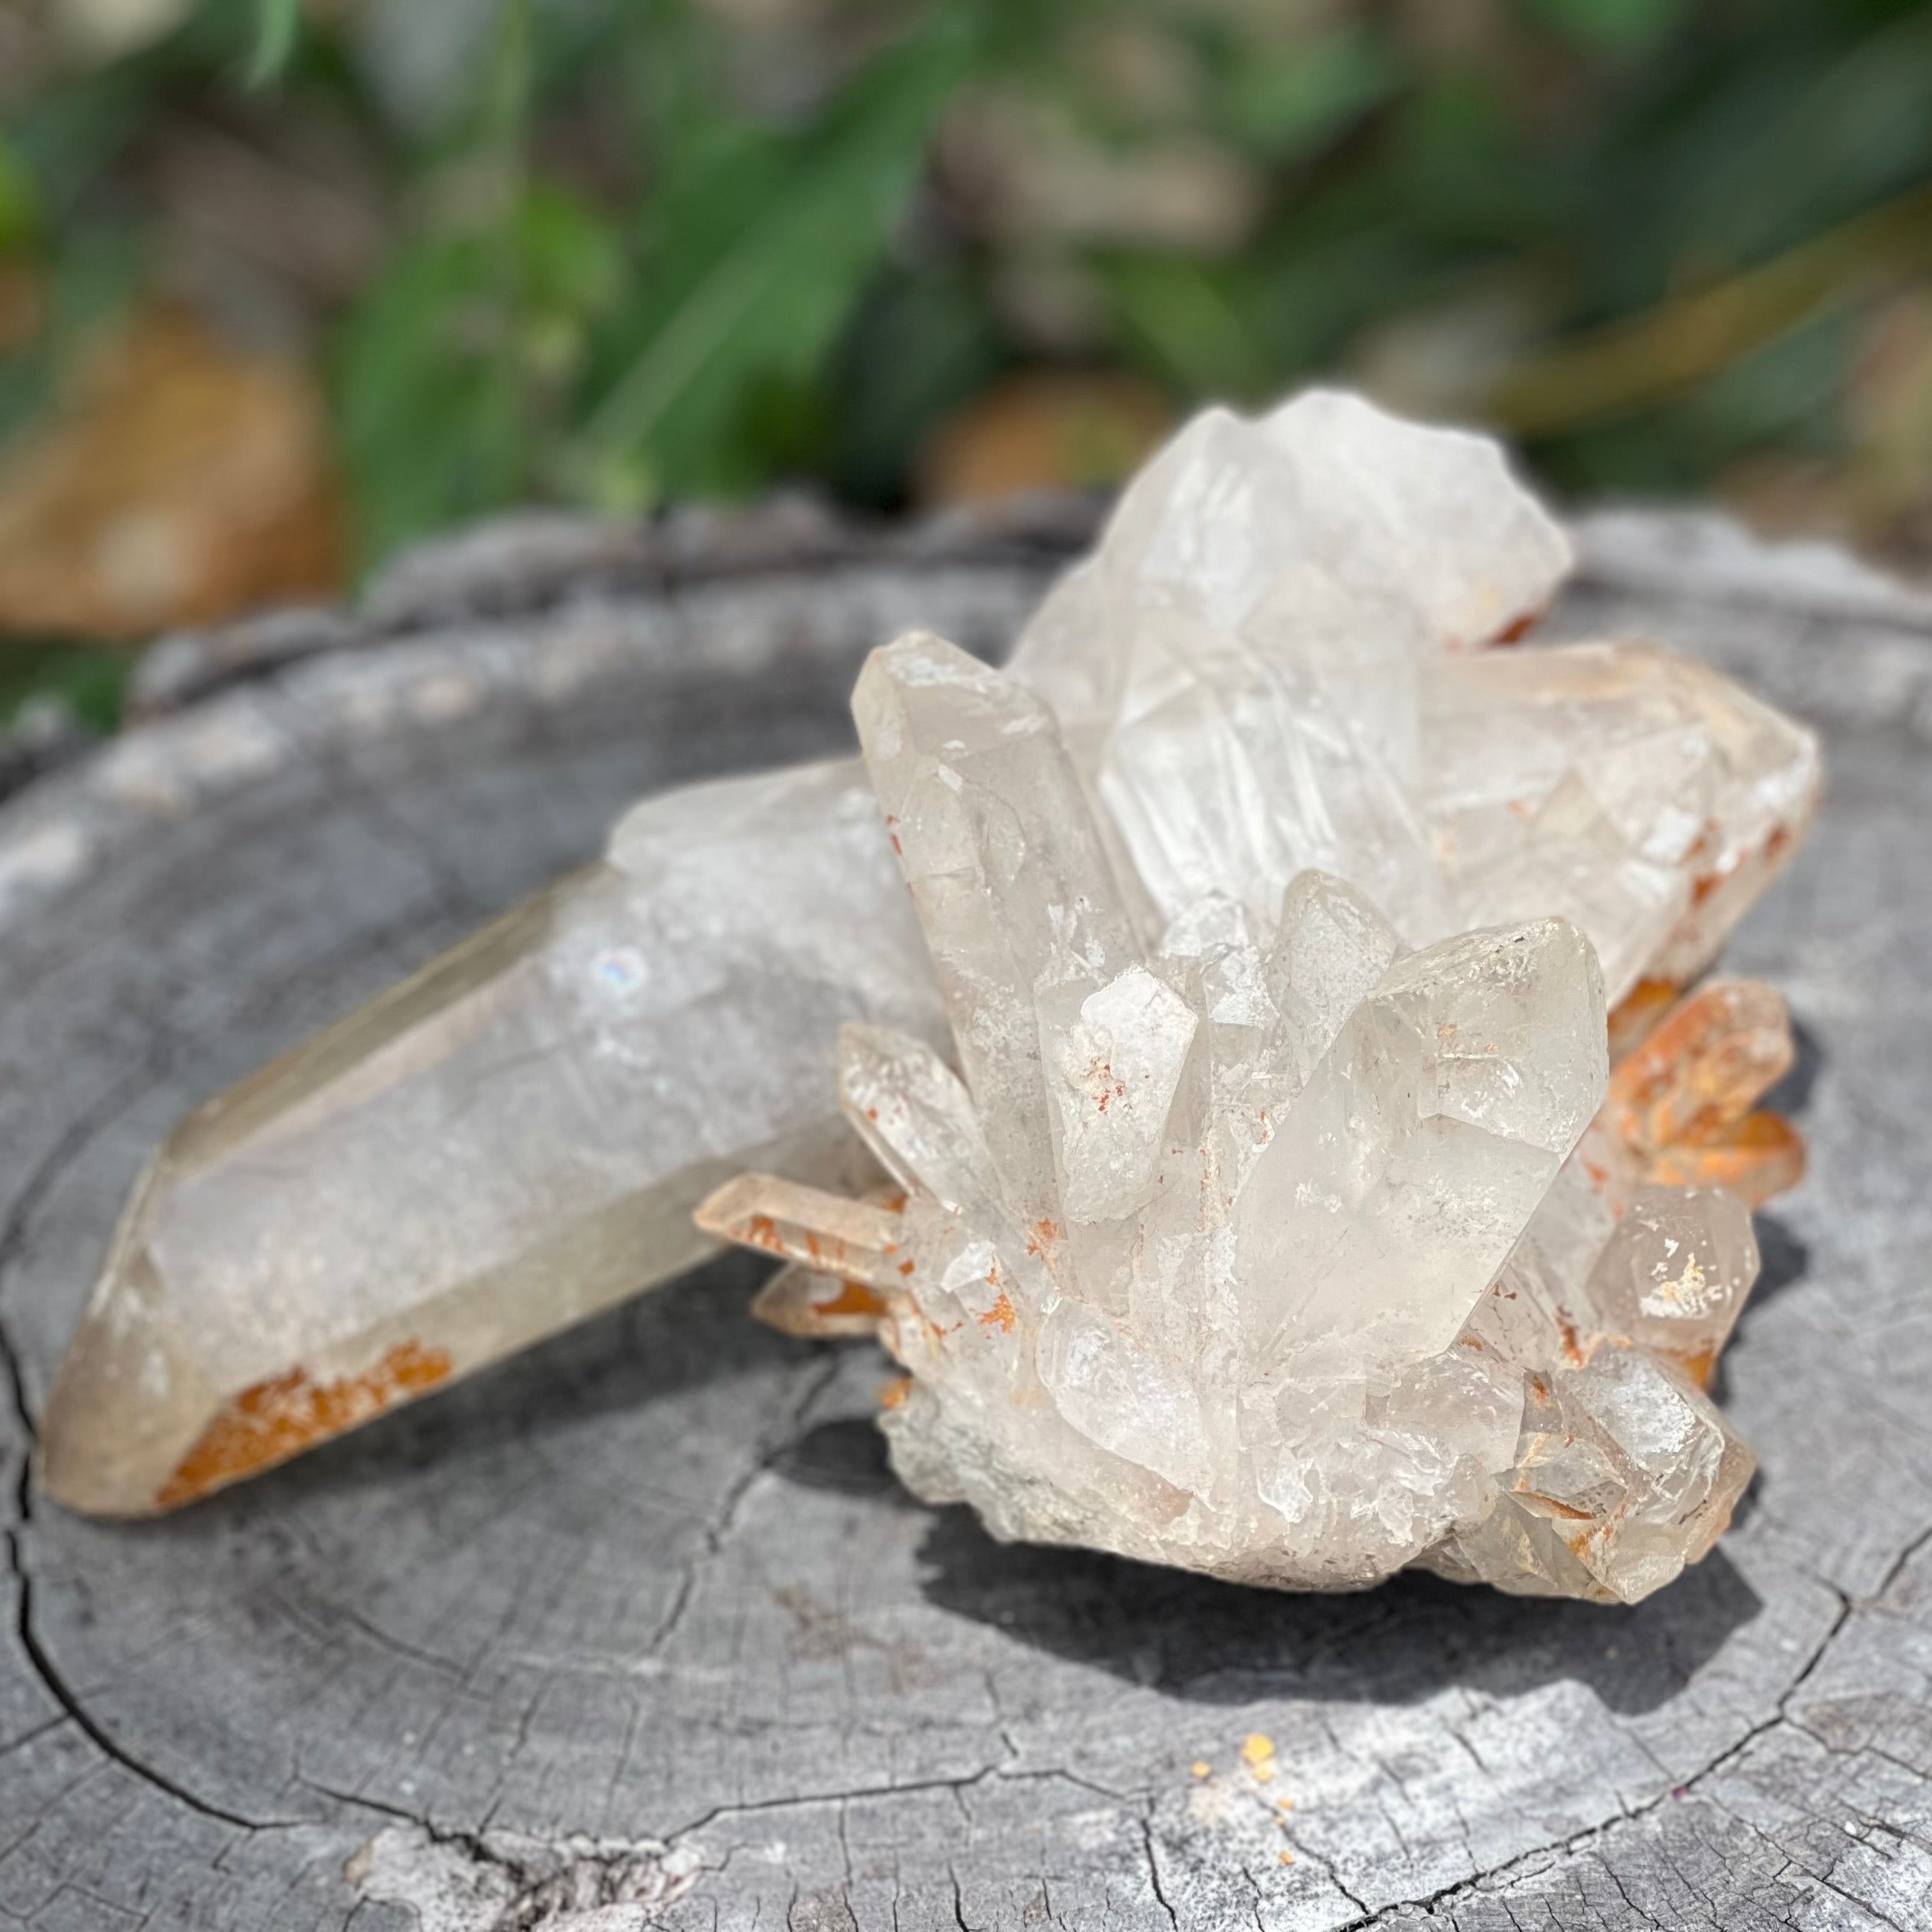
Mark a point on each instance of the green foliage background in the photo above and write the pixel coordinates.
(634, 250)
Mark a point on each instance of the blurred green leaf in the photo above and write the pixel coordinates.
(454, 368)
(572, 258)
(1287, 105)
(757, 248)
(428, 411)
(1456, 171)
(923, 341)
(91, 679)
(89, 280)
(1813, 135)
(19, 207)
(1616, 25)
(277, 28)
(1186, 322)
(654, 247)
(65, 141)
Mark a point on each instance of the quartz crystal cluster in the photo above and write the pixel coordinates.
(1282, 1205)
(1284, 1218)
(1276, 1249)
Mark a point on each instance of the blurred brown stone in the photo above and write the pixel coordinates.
(1046, 430)
(180, 482)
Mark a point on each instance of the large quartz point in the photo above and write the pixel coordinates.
(1218, 846)
(497, 1148)
(1225, 1252)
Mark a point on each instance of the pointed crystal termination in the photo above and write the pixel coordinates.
(1673, 1276)
(1196, 1264)
(505, 1143)
(1623, 1473)
(986, 814)
(1676, 1147)
(1402, 1176)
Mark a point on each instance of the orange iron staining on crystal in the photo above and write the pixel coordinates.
(826, 1234)
(1704, 1066)
(1758, 1158)
(799, 1301)
(1635, 1016)
(274, 1419)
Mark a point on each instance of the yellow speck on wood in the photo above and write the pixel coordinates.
(1202, 1768)
(1257, 1753)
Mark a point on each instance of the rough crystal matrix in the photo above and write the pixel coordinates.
(1272, 1215)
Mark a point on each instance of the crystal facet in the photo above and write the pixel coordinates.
(1272, 1214)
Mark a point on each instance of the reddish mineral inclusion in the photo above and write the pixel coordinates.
(272, 1420)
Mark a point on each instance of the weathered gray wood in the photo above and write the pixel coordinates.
(636, 1629)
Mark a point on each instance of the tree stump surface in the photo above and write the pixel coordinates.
(637, 1629)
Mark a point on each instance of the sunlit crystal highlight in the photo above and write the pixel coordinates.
(1273, 662)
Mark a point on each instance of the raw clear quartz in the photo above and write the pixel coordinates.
(1269, 1211)
(1285, 1218)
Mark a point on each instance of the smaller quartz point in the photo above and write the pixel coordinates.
(1623, 1473)
(980, 801)
(1265, 1218)
(1673, 1276)
(1400, 1177)
(817, 1307)
(1681, 1103)
(1313, 1256)
(1331, 948)
(853, 1241)
(1756, 1158)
